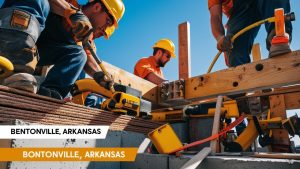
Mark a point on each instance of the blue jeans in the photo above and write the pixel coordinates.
(39, 8)
(19, 44)
(68, 61)
(245, 13)
(57, 47)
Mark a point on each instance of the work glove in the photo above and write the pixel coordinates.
(224, 43)
(103, 80)
(81, 26)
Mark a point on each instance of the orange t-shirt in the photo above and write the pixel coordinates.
(226, 5)
(147, 65)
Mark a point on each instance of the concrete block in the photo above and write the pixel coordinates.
(48, 165)
(147, 161)
(200, 128)
(132, 139)
(215, 162)
(113, 139)
(117, 139)
(181, 130)
(195, 161)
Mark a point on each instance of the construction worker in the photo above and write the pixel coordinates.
(149, 68)
(240, 14)
(56, 27)
(92, 100)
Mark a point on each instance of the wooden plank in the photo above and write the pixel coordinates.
(214, 144)
(277, 91)
(144, 145)
(194, 162)
(125, 78)
(39, 109)
(264, 74)
(280, 136)
(278, 155)
(256, 52)
(292, 100)
(184, 60)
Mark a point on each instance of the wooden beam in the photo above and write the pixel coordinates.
(277, 155)
(291, 96)
(215, 144)
(292, 100)
(256, 52)
(125, 78)
(280, 136)
(274, 72)
(184, 61)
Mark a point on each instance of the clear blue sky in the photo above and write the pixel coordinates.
(146, 21)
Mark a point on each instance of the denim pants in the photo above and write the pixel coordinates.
(55, 46)
(21, 22)
(245, 13)
(38, 8)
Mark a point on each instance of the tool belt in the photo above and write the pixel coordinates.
(19, 20)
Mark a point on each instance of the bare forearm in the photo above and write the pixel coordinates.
(216, 21)
(152, 77)
(217, 29)
(91, 66)
(59, 6)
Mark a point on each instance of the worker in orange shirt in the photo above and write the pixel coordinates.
(150, 68)
(92, 100)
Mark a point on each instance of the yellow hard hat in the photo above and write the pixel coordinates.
(166, 44)
(109, 31)
(116, 8)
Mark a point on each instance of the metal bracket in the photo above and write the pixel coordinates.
(172, 93)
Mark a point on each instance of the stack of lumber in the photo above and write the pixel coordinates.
(16, 104)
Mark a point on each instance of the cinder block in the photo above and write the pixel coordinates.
(181, 130)
(147, 161)
(117, 139)
(200, 128)
(236, 163)
(132, 139)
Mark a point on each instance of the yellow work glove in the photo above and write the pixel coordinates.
(80, 24)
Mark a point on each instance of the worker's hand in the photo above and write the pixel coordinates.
(103, 80)
(81, 26)
(224, 44)
(226, 57)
